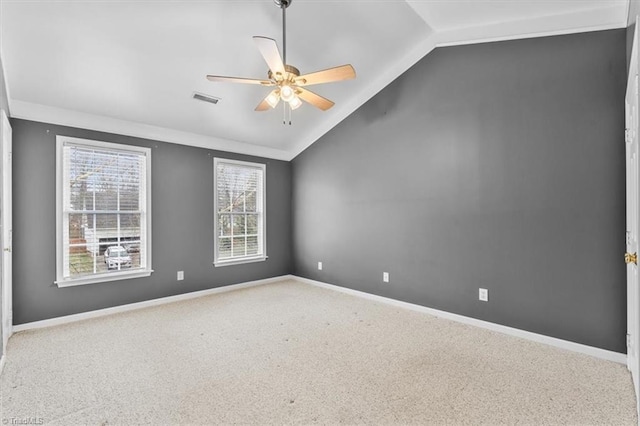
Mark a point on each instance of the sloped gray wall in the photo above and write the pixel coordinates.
(497, 165)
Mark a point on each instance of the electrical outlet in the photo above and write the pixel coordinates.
(180, 275)
(385, 277)
(483, 294)
(319, 266)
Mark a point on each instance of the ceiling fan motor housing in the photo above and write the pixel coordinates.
(290, 74)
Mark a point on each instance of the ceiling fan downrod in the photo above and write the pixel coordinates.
(284, 4)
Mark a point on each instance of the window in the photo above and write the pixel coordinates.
(103, 211)
(239, 202)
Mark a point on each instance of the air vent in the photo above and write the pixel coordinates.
(205, 98)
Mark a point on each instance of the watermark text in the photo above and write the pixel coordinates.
(22, 421)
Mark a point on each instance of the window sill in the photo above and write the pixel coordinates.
(240, 261)
(116, 276)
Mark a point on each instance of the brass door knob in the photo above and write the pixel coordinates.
(631, 258)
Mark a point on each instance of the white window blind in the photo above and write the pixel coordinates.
(239, 206)
(104, 224)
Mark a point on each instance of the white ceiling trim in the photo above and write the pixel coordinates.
(496, 38)
(64, 117)
(530, 28)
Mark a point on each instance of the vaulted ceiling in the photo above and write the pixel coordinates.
(131, 67)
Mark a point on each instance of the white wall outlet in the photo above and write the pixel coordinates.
(180, 275)
(319, 266)
(483, 294)
(385, 277)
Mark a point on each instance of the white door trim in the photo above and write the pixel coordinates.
(632, 221)
(5, 238)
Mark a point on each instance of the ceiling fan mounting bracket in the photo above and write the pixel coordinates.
(283, 3)
(291, 73)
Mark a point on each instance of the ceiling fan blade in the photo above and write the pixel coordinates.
(263, 106)
(269, 50)
(266, 104)
(343, 72)
(314, 99)
(239, 80)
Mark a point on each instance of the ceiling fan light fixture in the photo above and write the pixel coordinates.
(273, 99)
(295, 103)
(287, 93)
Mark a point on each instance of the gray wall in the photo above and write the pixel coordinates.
(496, 165)
(182, 220)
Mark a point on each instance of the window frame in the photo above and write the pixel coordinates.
(262, 214)
(61, 281)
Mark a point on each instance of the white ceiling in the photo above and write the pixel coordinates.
(131, 67)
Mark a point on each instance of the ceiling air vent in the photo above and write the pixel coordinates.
(205, 98)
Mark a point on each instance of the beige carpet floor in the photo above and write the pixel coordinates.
(290, 353)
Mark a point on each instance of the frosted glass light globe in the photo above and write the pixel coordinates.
(273, 99)
(295, 102)
(287, 93)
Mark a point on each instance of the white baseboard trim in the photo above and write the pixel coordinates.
(540, 338)
(140, 305)
(552, 341)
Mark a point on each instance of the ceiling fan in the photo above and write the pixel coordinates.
(289, 85)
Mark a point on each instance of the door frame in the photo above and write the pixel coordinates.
(6, 226)
(631, 210)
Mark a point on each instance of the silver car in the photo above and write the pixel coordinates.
(117, 257)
